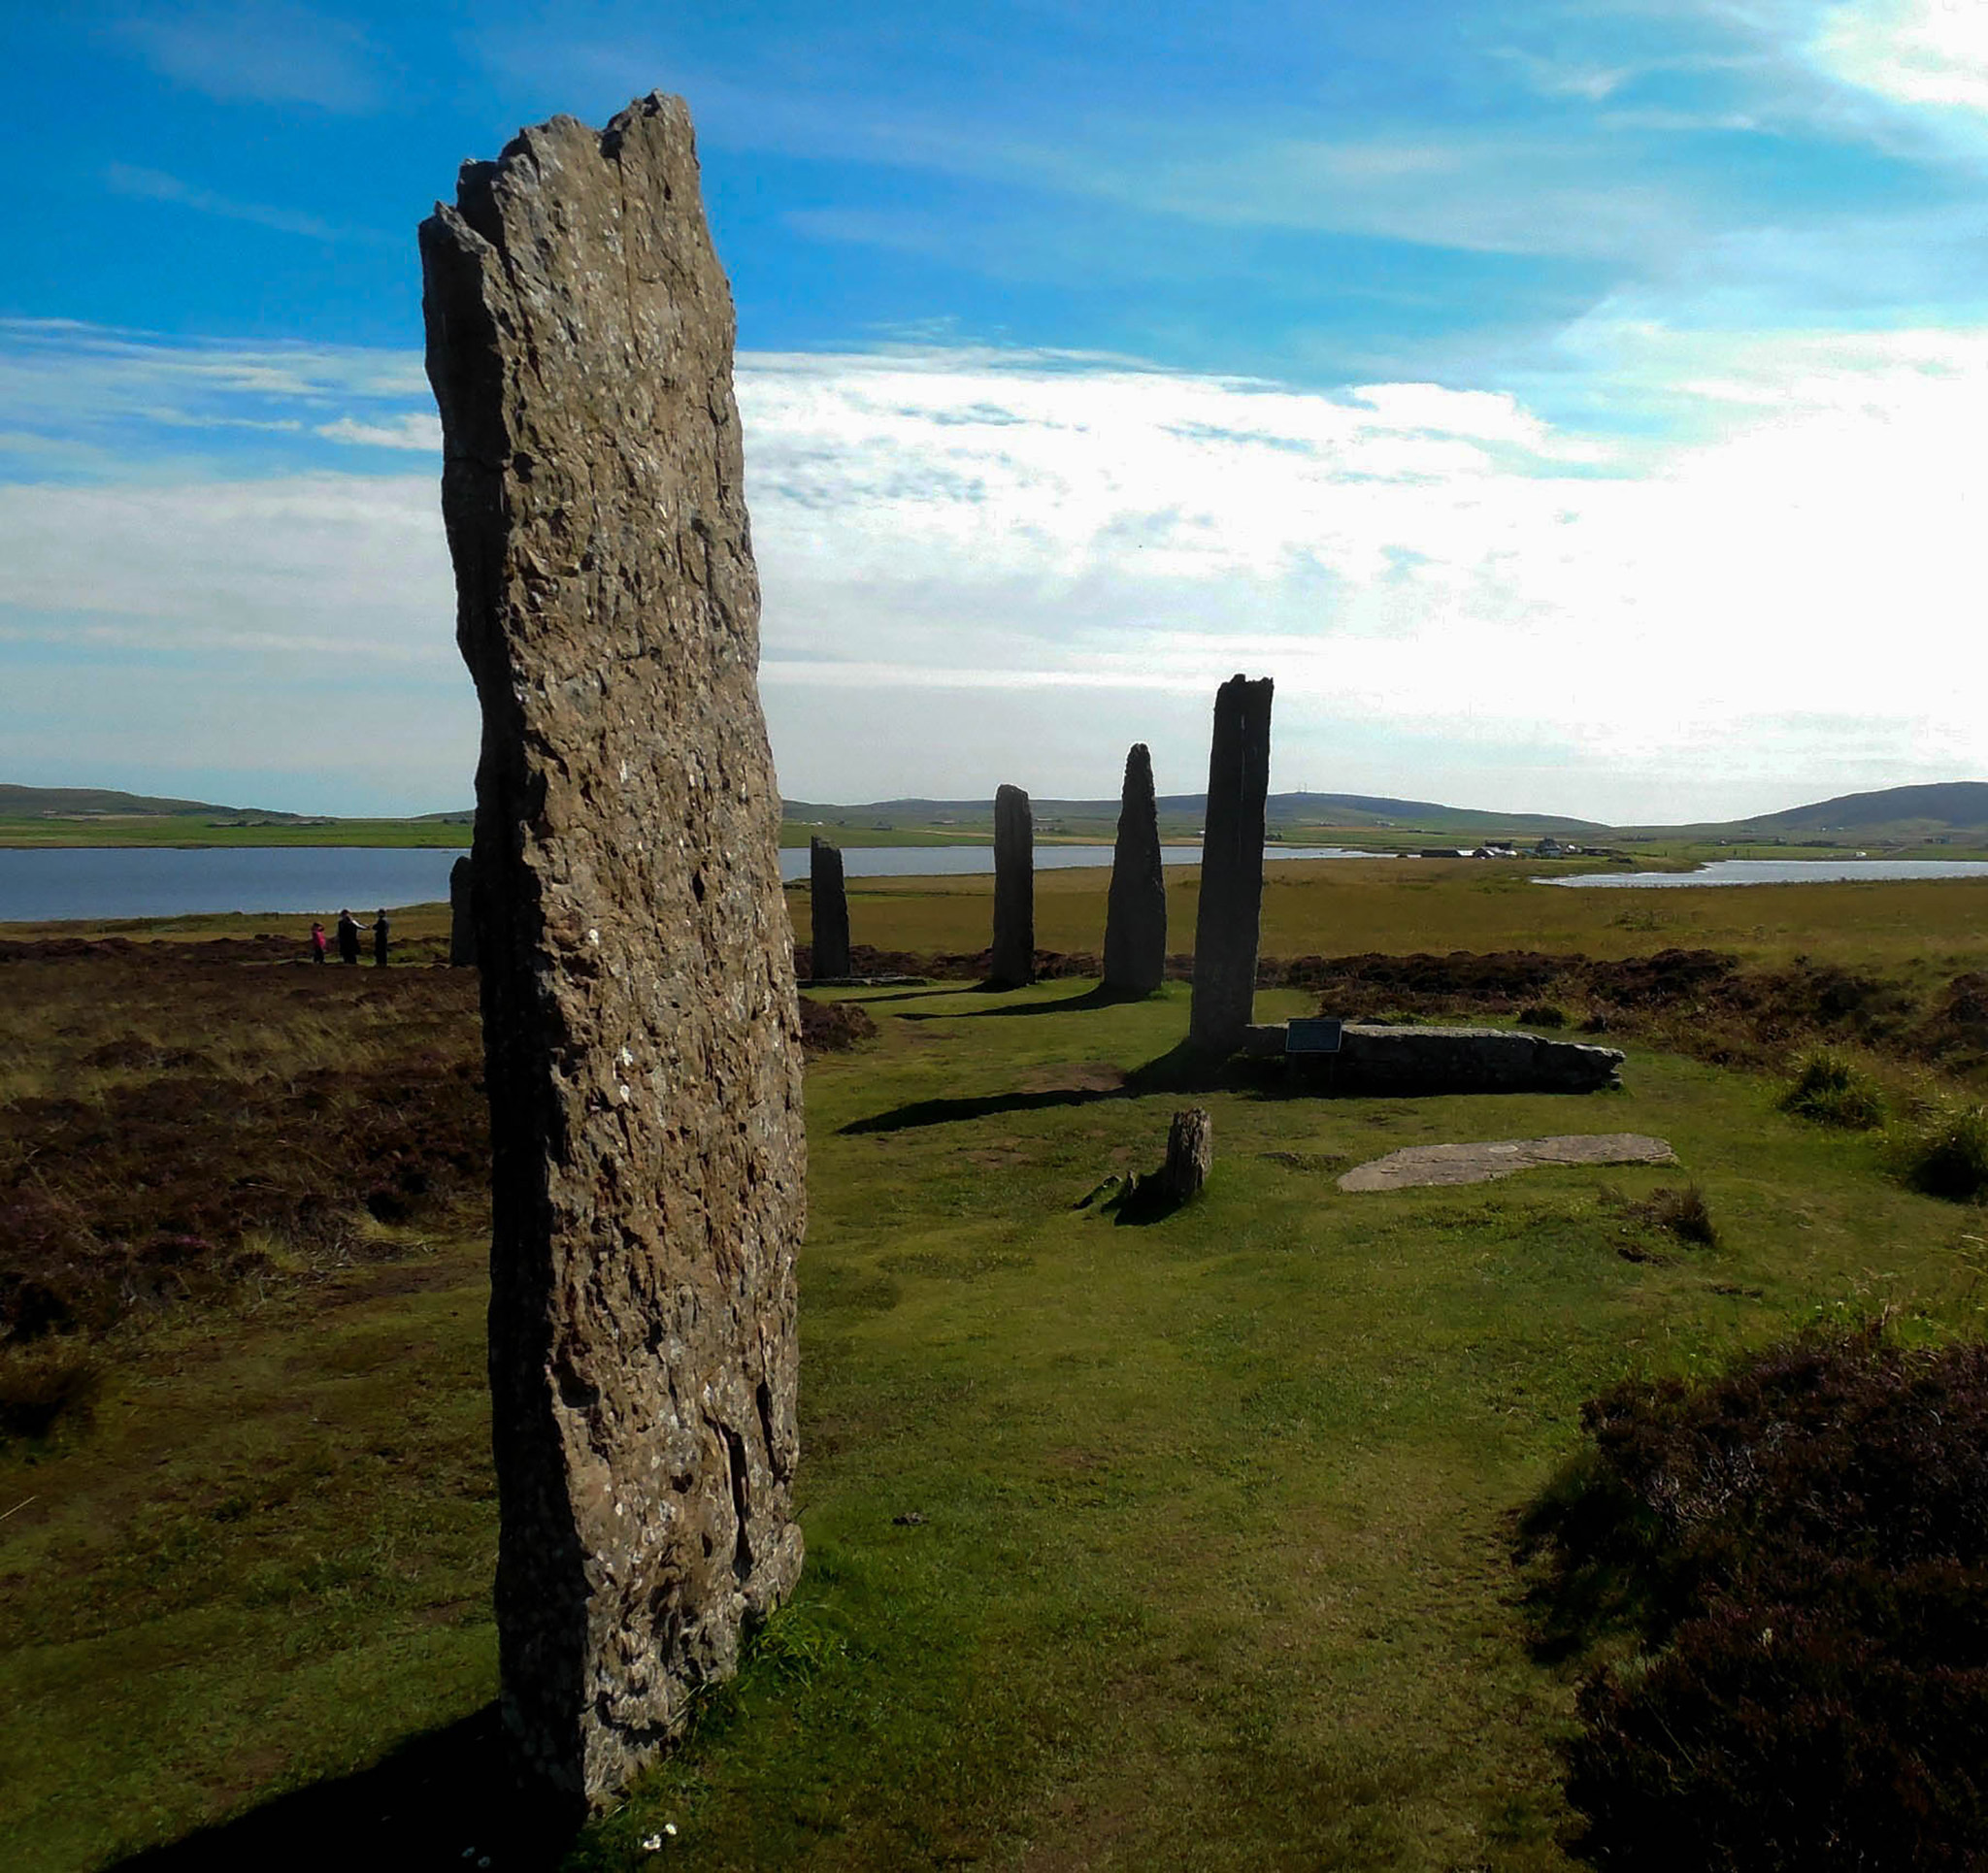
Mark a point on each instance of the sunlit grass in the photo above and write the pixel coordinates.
(1173, 1544)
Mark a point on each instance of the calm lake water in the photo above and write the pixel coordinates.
(1777, 872)
(95, 883)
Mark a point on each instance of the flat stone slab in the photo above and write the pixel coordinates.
(1478, 1164)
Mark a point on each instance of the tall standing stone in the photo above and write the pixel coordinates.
(1136, 911)
(1014, 958)
(828, 911)
(1229, 915)
(462, 921)
(639, 1026)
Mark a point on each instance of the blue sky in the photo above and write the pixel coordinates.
(1575, 407)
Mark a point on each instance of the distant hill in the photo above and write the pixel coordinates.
(1369, 810)
(1945, 807)
(78, 802)
(1351, 811)
(1953, 810)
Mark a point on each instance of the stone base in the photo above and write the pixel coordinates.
(1378, 1060)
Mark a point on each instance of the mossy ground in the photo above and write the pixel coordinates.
(1177, 1545)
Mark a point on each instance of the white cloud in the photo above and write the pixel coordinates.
(1555, 78)
(966, 550)
(266, 51)
(1405, 555)
(410, 431)
(92, 370)
(155, 185)
(114, 401)
(1501, 191)
(329, 570)
(1915, 51)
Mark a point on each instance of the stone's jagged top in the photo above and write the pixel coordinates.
(1135, 909)
(1228, 916)
(1013, 961)
(640, 1025)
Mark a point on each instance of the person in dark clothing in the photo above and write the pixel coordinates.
(317, 943)
(348, 937)
(380, 939)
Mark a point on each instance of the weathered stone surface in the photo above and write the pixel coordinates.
(640, 1027)
(1378, 1059)
(1230, 913)
(1478, 1164)
(462, 920)
(1014, 958)
(828, 912)
(1135, 910)
(1190, 1154)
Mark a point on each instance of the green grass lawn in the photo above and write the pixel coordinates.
(1175, 1545)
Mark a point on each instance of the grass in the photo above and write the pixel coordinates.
(1832, 1089)
(1177, 1545)
(201, 830)
(1919, 931)
(1944, 1152)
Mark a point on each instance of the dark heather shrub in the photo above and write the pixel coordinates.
(1684, 1213)
(833, 1027)
(1800, 1553)
(1945, 1154)
(1832, 1089)
(52, 1381)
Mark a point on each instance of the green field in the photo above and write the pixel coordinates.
(197, 830)
(1182, 1545)
(1643, 850)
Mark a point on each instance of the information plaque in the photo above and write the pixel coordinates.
(1312, 1037)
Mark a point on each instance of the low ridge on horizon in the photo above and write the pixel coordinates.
(81, 803)
(1954, 806)
(1900, 812)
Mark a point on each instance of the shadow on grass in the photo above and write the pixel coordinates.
(443, 1799)
(925, 994)
(1184, 1068)
(1098, 997)
(952, 1111)
(1147, 1202)
(1587, 1560)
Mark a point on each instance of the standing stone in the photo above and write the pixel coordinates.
(639, 1026)
(462, 922)
(1229, 915)
(828, 908)
(1190, 1154)
(1014, 961)
(1136, 911)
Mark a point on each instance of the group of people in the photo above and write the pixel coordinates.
(348, 939)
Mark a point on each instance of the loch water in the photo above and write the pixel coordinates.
(43, 884)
